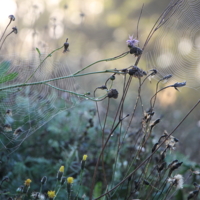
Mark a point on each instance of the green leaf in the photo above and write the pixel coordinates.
(38, 51)
(98, 189)
(4, 67)
(8, 77)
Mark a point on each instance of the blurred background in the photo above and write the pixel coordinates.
(98, 29)
(59, 127)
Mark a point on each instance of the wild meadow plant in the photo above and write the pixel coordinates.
(146, 170)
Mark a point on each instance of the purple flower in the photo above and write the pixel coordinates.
(132, 42)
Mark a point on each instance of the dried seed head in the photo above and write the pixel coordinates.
(37, 195)
(171, 142)
(18, 131)
(20, 189)
(136, 72)
(154, 72)
(193, 194)
(66, 46)
(154, 123)
(136, 51)
(15, 30)
(9, 112)
(167, 77)
(147, 116)
(176, 85)
(11, 17)
(172, 163)
(176, 181)
(113, 93)
(7, 127)
(174, 166)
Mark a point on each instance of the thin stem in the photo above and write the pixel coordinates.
(54, 79)
(57, 193)
(5, 39)
(139, 21)
(108, 59)
(6, 29)
(81, 176)
(168, 191)
(49, 55)
(151, 105)
(103, 138)
(156, 93)
(77, 94)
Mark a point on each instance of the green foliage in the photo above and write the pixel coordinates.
(98, 189)
(4, 67)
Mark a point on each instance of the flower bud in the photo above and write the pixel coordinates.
(60, 173)
(43, 180)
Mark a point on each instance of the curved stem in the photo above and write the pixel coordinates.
(151, 105)
(49, 55)
(5, 39)
(108, 59)
(77, 94)
(5, 29)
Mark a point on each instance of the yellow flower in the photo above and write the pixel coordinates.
(27, 182)
(51, 194)
(84, 157)
(62, 168)
(70, 180)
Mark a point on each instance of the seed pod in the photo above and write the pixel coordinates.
(193, 194)
(15, 30)
(174, 166)
(66, 46)
(11, 17)
(155, 147)
(167, 77)
(112, 78)
(113, 93)
(146, 182)
(161, 167)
